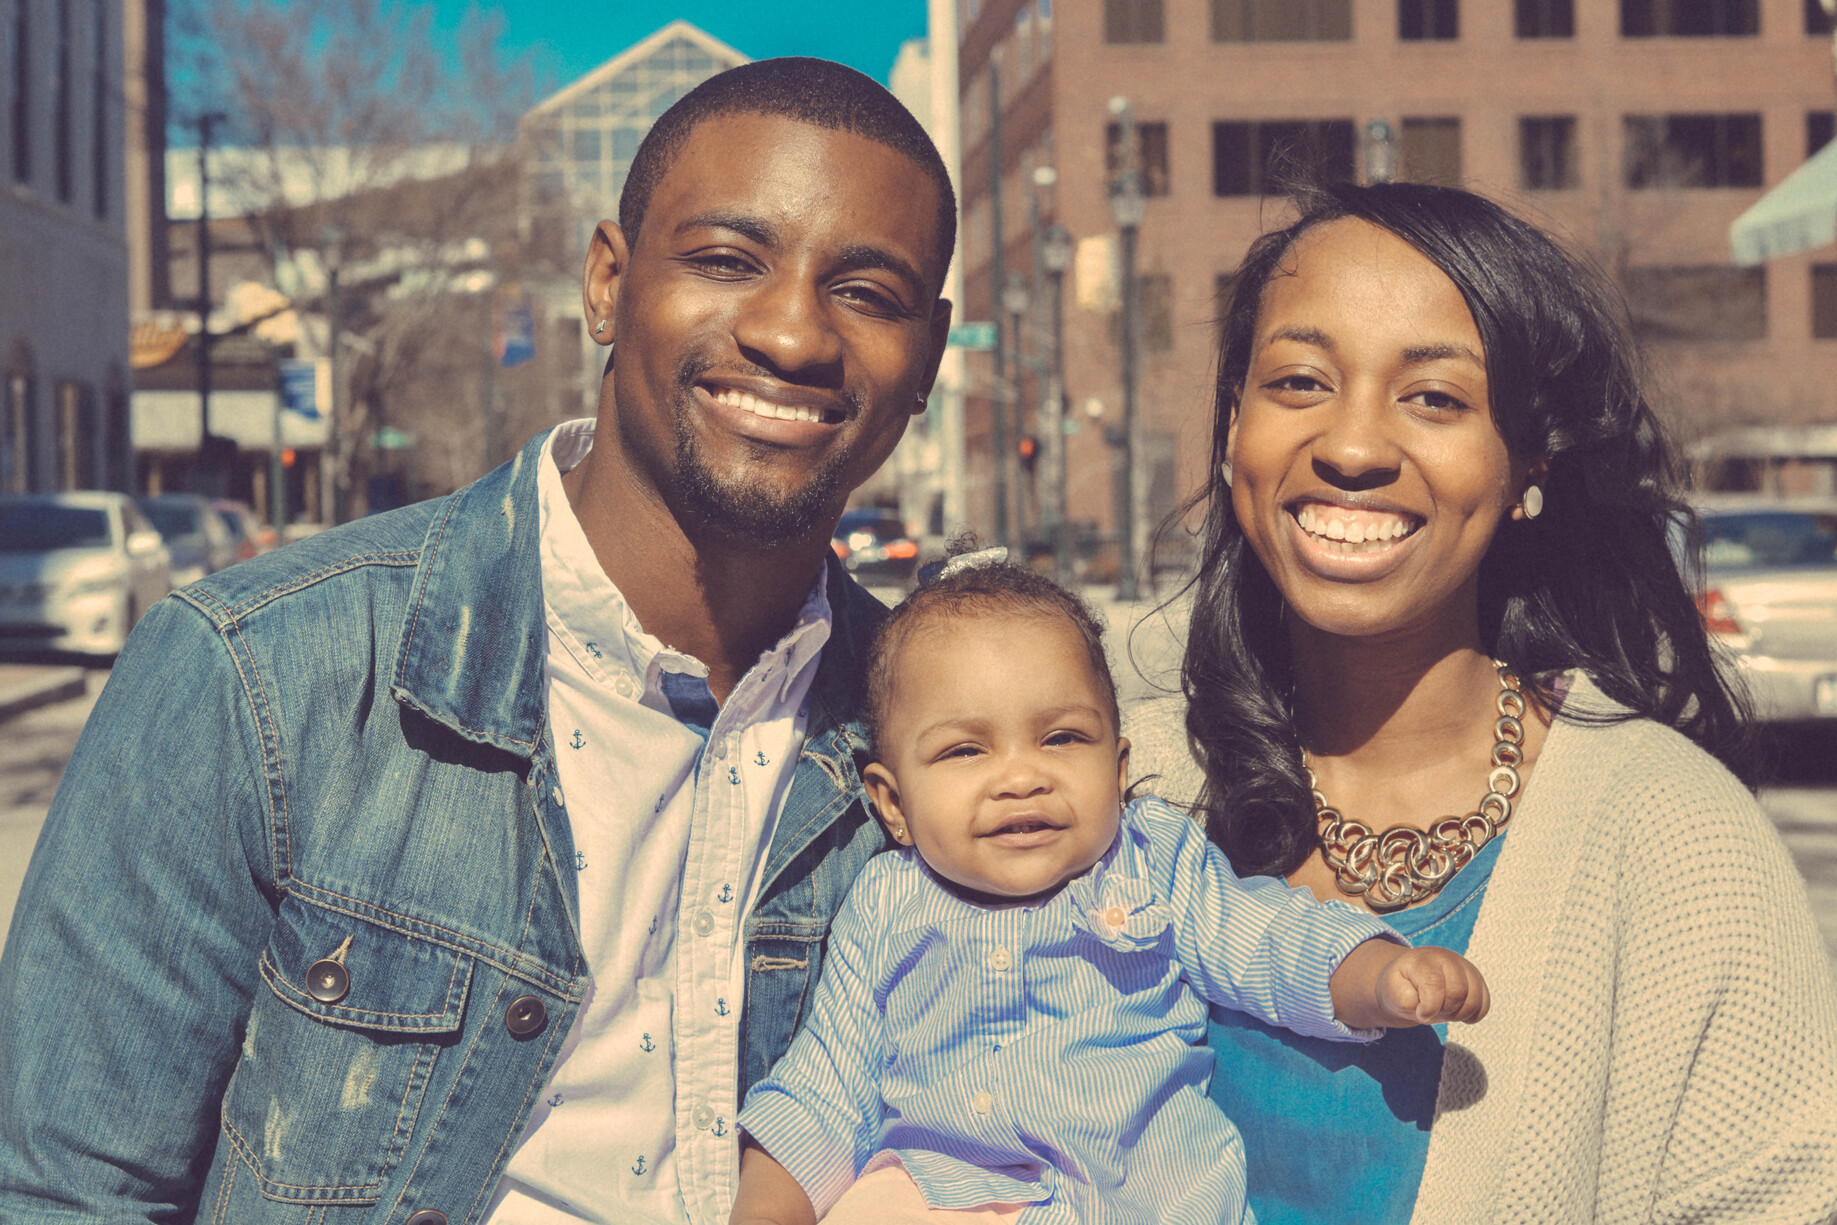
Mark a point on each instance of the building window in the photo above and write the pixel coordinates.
(1817, 21)
(98, 147)
(1151, 142)
(1133, 21)
(62, 108)
(1424, 20)
(1251, 159)
(1693, 151)
(1431, 151)
(1824, 301)
(1820, 127)
(22, 91)
(1546, 152)
(1689, 18)
(1698, 303)
(1546, 18)
(1281, 21)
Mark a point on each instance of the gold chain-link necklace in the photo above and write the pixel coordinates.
(1402, 865)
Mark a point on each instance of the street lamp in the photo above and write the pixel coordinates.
(1380, 152)
(1128, 204)
(1016, 297)
(1056, 258)
(331, 484)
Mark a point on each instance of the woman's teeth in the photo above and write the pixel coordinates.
(1365, 532)
(748, 402)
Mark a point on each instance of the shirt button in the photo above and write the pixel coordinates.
(720, 749)
(703, 1117)
(427, 1216)
(999, 960)
(327, 981)
(525, 1016)
(1116, 917)
(558, 800)
(704, 922)
(983, 1102)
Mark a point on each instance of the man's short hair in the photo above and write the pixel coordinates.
(818, 92)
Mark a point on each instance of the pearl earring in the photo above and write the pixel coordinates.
(1533, 502)
(1225, 474)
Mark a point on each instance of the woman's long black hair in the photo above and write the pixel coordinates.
(1591, 583)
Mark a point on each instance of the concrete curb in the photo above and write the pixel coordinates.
(56, 685)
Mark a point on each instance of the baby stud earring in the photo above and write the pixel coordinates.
(1533, 502)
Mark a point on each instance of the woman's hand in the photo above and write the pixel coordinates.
(1383, 985)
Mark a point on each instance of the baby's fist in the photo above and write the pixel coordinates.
(1424, 986)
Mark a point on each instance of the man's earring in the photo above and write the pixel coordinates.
(1533, 502)
(1225, 474)
(599, 327)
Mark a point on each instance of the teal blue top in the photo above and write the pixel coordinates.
(1333, 1131)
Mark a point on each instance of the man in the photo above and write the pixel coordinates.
(470, 862)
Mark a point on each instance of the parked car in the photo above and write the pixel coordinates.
(252, 536)
(199, 541)
(875, 546)
(1770, 596)
(77, 570)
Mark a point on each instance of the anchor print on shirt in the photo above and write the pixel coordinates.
(556, 1100)
(720, 1008)
(720, 1126)
(733, 775)
(580, 861)
(639, 1168)
(593, 649)
(646, 1045)
(653, 925)
(726, 894)
(759, 758)
(577, 742)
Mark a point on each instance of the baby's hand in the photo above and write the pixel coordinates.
(1424, 986)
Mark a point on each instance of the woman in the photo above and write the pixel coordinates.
(1432, 453)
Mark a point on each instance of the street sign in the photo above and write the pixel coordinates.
(973, 336)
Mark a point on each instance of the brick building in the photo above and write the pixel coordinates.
(1637, 129)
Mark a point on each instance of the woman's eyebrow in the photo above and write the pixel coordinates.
(1303, 335)
(1417, 355)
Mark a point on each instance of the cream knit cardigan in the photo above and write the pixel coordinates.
(1662, 1045)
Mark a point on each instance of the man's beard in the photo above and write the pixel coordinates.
(750, 509)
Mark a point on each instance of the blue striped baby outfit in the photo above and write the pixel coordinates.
(1048, 1053)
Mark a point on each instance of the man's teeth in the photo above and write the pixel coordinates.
(765, 408)
(1367, 532)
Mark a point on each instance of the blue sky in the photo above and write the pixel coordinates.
(568, 38)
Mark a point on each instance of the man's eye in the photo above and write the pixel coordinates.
(872, 300)
(722, 264)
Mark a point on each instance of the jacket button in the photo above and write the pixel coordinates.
(427, 1216)
(524, 1017)
(327, 981)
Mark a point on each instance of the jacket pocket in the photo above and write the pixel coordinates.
(338, 1052)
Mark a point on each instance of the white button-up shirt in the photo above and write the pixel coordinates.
(671, 804)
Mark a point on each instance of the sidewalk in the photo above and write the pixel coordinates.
(26, 687)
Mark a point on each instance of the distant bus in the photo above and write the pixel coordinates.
(1783, 460)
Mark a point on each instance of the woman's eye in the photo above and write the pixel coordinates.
(1441, 401)
(1296, 383)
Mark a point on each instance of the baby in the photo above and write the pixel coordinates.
(1008, 1020)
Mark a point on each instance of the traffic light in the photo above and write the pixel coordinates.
(1029, 448)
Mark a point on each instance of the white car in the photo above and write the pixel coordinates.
(77, 570)
(1769, 595)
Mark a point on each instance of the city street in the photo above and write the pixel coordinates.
(1144, 646)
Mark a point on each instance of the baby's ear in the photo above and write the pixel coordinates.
(1122, 764)
(883, 790)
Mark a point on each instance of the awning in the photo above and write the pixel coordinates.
(1798, 215)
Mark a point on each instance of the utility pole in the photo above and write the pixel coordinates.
(331, 465)
(210, 451)
(1128, 203)
(999, 394)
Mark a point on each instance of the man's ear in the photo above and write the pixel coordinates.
(885, 793)
(608, 256)
(1122, 765)
(940, 338)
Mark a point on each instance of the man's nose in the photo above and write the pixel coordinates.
(1355, 448)
(785, 326)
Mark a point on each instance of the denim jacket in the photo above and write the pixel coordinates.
(339, 753)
